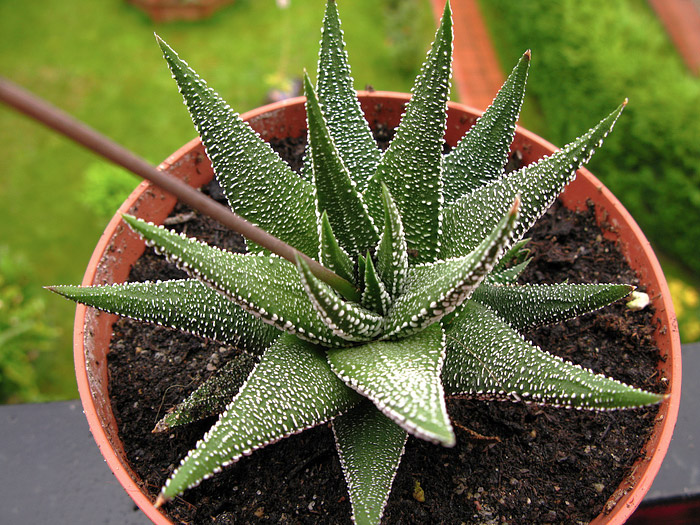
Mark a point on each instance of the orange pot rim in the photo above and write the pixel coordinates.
(643, 472)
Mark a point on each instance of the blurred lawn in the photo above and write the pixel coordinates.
(98, 60)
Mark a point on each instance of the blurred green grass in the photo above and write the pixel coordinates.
(98, 60)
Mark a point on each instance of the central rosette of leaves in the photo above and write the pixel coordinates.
(426, 249)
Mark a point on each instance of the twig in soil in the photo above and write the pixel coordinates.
(162, 401)
(605, 432)
(475, 436)
(180, 218)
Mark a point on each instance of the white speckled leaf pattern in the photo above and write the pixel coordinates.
(392, 255)
(469, 219)
(412, 165)
(511, 265)
(187, 305)
(370, 447)
(345, 319)
(375, 296)
(333, 256)
(434, 290)
(290, 390)
(258, 184)
(486, 358)
(402, 379)
(335, 190)
(346, 122)
(507, 275)
(517, 253)
(532, 305)
(264, 285)
(482, 153)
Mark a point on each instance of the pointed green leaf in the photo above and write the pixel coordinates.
(187, 305)
(211, 397)
(507, 275)
(392, 254)
(482, 153)
(266, 286)
(346, 122)
(533, 305)
(335, 190)
(290, 390)
(375, 296)
(258, 184)
(411, 167)
(361, 270)
(370, 447)
(486, 358)
(434, 290)
(515, 255)
(347, 320)
(333, 256)
(469, 219)
(402, 379)
(511, 265)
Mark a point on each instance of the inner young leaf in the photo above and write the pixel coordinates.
(347, 125)
(335, 191)
(392, 254)
(415, 153)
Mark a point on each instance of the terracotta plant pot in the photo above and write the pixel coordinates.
(169, 10)
(119, 248)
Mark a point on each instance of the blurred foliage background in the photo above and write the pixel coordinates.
(98, 60)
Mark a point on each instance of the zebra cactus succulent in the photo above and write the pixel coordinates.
(431, 244)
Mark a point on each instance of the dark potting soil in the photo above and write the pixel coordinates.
(513, 463)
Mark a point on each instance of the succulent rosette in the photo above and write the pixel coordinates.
(428, 247)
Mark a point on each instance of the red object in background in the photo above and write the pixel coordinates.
(170, 10)
(677, 512)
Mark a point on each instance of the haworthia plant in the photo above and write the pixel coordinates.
(432, 242)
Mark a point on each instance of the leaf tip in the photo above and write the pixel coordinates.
(129, 219)
(308, 86)
(160, 500)
(58, 290)
(161, 426)
(448, 9)
(162, 43)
